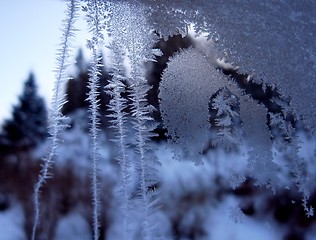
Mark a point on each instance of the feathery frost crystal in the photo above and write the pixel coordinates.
(270, 44)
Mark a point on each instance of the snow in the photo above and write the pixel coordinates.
(223, 225)
(311, 235)
(72, 227)
(222, 219)
(11, 223)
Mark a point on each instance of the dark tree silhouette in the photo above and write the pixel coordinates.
(77, 90)
(28, 125)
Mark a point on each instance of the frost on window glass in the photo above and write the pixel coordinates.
(185, 90)
(207, 94)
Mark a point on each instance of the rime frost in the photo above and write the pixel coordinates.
(185, 90)
(57, 120)
(272, 43)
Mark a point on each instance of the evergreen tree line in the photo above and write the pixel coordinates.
(27, 126)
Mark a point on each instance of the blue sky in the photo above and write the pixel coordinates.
(30, 34)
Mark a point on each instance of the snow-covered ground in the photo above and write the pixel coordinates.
(11, 223)
(196, 193)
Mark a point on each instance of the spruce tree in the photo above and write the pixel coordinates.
(28, 125)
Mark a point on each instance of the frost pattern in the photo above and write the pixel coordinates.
(134, 39)
(57, 121)
(94, 16)
(288, 147)
(228, 135)
(263, 39)
(117, 106)
(254, 117)
(272, 42)
(185, 91)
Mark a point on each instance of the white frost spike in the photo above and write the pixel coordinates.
(129, 30)
(93, 85)
(94, 16)
(56, 120)
(117, 106)
(185, 90)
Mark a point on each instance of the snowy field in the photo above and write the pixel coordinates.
(201, 195)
